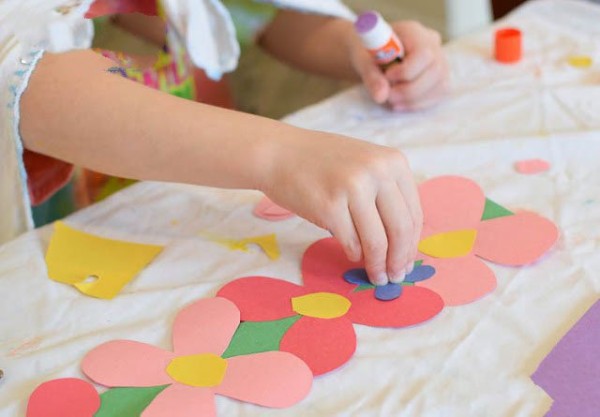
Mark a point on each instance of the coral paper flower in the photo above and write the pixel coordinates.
(326, 307)
(195, 370)
(67, 397)
(455, 237)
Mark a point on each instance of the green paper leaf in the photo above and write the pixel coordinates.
(418, 263)
(262, 336)
(494, 210)
(364, 287)
(127, 402)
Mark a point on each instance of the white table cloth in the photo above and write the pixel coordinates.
(473, 360)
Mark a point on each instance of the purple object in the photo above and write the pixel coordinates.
(366, 22)
(388, 292)
(570, 374)
(420, 273)
(357, 276)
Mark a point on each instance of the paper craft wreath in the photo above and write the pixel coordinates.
(461, 226)
(195, 370)
(318, 317)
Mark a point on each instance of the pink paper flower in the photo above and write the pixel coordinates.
(195, 369)
(455, 237)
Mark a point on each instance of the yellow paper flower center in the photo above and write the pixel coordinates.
(205, 370)
(322, 305)
(450, 244)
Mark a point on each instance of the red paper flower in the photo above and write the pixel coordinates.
(455, 237)
(327, 307)
(67, 397)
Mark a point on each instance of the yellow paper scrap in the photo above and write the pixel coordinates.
(449, 245)
(268, 243)
(96, 266)
(581, 61)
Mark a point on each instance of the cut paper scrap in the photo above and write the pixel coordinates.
(96, 266)
(266, 209)
(580, 61)
(454, 204)
(322, 312)
(68, 397)
(201, 333)
(570, 374)
(268, 243)
(532, 166)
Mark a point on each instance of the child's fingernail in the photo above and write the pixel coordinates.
(397, 277)
(381, 279)
(410, 268)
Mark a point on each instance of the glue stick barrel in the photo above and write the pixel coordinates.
(379, 39)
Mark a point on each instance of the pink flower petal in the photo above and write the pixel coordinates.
(181, 400)
(206, 326)
(414, 306)
(323, 267)
(532, 166)
(268, 210)
(515, 240)
(67, 397)
(450, 203)
(324, 344)
(460, 280)
(123, 363)
(262, 298)
(271, 379)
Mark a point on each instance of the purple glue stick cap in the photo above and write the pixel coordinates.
(366, 22)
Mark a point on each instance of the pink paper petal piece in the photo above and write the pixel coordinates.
(460, 280)
(262, 298)
(268, 210)
(124, 363)
(206, 326)
(324, 344)
(67, 397)
(450, 203)
(271, 379)
(532, 166)
(414, 306)
(180, 400)
(515, 240)
(323, 266)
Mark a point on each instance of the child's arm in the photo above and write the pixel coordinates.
(364, 194)
(330, 47)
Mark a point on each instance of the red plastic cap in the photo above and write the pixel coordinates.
(508, 45)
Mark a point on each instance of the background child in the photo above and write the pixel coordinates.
(78, 109)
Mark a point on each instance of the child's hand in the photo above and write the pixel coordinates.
(418, 82)
(364, 194)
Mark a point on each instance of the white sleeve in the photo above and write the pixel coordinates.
(333, 8)
(27, 28)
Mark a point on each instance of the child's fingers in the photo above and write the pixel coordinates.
(371, 76)
(413, 65)
(344, 231)
(372, 237)
(399, 229)
(409, 92)
(437, 93)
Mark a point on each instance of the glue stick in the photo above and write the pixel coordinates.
(379, 39)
